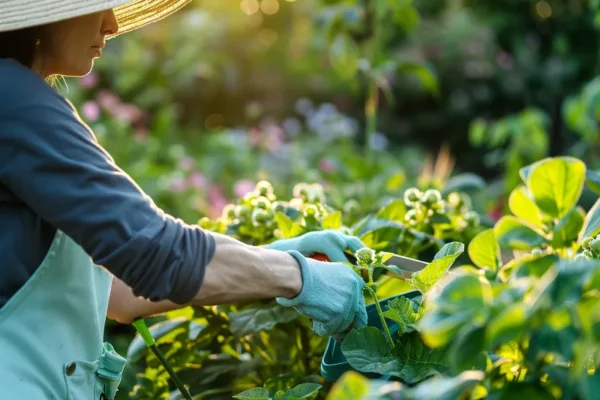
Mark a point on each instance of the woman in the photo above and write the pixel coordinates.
(80, 241)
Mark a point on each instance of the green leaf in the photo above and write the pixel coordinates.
(517, 234)
(354, 386)
(288, 227)
(531, 265)
(367, 350)
(332, 221)
(591, 226)
(422, 73)
(525, 391)
(303, 391)
(463, 182)
(401, 310)
(567, 229)
(424, 280)
(439, 329)
(484, 250)
(418, 361)
(394, 211)
(591, 385)
(593, 180)
(556, 184)
(467, 350)
(507, 325)
(443, 388)
(477, 132)
(261, 318)
(255, 393)
(523, 206)
(464, 293)
(158, 330)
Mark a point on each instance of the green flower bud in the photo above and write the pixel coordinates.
(430, 197)
(311, 209)
(439, 207)
(586, 243)
(588, 254)
(411, 217)
(365, 256)
(260, 216)
(301, 190)
(263, 188)
(412, 196)
(261, 202)
(277, 207)
(537, 252)
(472, 218)
(455, 200)
(228, 212)
(242, 211)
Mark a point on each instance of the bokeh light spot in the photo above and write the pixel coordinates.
(543, 9)
(249, 7)
(269, 7)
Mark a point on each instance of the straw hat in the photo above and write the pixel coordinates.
(131, 14)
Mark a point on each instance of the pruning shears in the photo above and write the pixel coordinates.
(406, 265)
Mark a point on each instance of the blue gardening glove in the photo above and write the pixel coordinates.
(331, 296)
(332, 243)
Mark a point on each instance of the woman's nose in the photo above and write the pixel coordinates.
(110, 25)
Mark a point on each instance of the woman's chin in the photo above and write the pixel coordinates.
(80, 70)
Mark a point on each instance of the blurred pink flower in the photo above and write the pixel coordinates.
(128, 112)
(216, 198)
(197, 180)
(186, 163)
(495, 213)
(90, 111)
(326, 165)
(504, 60)
(255, 137)
(178, 184)
(89, 81)
(108, 100)
(241, 187)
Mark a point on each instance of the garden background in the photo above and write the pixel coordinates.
(366, 97)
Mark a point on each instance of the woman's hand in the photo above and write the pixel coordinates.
(332, 243)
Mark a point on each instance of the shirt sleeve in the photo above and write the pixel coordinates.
(52, 161)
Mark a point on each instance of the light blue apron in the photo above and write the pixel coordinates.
(52, 330)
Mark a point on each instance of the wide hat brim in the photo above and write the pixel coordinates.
(131, 14)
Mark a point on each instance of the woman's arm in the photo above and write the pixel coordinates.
(237, 272)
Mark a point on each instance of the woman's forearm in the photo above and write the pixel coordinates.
(237, 272)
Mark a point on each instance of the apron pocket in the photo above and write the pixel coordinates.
(95, 380)
(80, 377)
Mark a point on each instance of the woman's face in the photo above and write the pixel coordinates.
(69, 47)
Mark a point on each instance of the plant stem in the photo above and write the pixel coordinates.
(380, 312)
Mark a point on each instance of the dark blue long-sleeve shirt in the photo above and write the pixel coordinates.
(54, 175)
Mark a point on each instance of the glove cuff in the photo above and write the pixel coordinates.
(306, 278)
